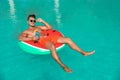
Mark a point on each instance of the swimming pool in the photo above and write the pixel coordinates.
(92, 24)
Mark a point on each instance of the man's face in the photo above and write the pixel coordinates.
(31, 21)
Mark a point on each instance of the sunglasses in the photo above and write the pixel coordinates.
(32, 20)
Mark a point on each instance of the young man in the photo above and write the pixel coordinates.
(29, 34)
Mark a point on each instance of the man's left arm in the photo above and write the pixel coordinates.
(46, 25)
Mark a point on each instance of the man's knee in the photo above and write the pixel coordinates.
(50, 45)
(68, 40)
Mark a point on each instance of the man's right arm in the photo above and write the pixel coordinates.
(24, 37)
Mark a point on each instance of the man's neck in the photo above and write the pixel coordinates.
(31, 27)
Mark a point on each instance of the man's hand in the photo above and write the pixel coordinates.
(35, 39)
(39, 20)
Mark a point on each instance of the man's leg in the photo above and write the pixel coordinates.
(51, 47)
(73, 45)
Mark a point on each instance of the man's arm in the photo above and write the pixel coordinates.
(47, 26)
(24, 37)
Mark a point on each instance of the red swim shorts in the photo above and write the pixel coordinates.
(51, 35)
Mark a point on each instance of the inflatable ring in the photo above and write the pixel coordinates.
(35, 48)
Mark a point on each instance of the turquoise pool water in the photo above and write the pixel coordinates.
(92, 24)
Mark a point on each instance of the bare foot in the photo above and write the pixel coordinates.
(89, 53)
(67, 69)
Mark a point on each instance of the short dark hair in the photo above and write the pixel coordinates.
(31, 15)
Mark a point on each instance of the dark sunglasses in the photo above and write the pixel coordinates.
(32, 20)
